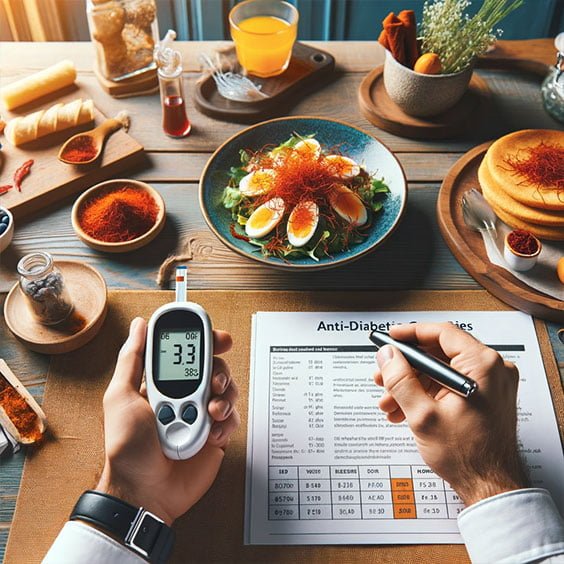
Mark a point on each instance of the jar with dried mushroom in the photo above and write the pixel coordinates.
(124, 34)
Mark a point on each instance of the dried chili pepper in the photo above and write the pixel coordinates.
(21, 173)
(4, 189)
(237, 235)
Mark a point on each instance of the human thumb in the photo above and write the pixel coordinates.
(401, 381)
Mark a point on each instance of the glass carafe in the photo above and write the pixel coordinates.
(553, 86)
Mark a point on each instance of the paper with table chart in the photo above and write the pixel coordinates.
(323, 464)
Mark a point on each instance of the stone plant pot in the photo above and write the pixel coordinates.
(423, 95)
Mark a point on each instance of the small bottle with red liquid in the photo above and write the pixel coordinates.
(169, 63)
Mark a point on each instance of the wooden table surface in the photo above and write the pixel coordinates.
(414, 258)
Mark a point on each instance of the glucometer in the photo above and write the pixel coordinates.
(178, 370)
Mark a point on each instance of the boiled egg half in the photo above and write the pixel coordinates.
(257, 182)
(348, 205)
(308, 147)
(302, 223)
(265, 218)
(342, 167)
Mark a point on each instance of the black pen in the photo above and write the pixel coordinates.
(436, 369)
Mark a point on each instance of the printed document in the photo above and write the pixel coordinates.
(324, 466)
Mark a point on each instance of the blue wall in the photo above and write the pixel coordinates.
(356, 19)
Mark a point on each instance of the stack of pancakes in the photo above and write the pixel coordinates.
(538, 209)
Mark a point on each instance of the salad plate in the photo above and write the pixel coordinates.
(346, 189)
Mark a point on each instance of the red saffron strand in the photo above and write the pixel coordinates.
(523, 242)
(543, 166)
(301, 177)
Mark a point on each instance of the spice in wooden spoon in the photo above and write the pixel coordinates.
(85, 148)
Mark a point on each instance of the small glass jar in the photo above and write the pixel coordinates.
(124, 34)
(44, 287)
(552, 89)
(169, 63)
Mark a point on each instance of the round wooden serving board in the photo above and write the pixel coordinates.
(88, 292)
(468, 247)
(379, 109)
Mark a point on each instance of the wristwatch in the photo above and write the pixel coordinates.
(136, 528)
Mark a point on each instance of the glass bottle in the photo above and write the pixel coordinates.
(552, 89)
(124, 33)
(169, 64)
(44, 287)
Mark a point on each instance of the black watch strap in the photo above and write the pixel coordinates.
(138, 529)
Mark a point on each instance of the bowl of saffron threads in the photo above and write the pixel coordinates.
(118, 216)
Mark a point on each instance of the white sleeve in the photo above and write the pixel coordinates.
(78, 543)
(518, 527)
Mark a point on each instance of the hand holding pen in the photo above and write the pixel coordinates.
(471, 443)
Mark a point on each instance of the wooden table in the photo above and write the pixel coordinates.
(414, 258)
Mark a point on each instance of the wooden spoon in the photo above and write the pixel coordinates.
(98, 136)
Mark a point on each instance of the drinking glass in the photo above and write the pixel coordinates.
(264, 32)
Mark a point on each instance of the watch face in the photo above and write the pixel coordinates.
(178, 353)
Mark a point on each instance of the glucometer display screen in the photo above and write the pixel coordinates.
(179, 355)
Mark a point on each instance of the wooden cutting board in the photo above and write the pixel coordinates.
(51, 180)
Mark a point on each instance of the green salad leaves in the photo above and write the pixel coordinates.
(301, 159)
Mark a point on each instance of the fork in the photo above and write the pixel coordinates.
(233, 86)
(479, 216)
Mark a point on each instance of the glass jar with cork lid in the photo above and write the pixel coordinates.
(124, 33)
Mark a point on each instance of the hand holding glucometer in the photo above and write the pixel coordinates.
(178, 367)
(436, 369)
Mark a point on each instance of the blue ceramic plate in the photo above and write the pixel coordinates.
(353, 142)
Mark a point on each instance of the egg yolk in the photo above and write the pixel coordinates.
(308, 148)
(302, 221)
(349, 204)
(341, 167)
(261, 217)
(261, 180)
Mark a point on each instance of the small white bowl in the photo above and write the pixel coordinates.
(423, 95)
(518, 261)
(8, 235)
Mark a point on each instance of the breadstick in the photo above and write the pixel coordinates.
(23, 129)
(39, 84)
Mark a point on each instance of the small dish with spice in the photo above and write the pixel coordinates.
(521, 250)
(118, 216)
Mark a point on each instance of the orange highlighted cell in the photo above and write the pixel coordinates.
(403, 497)
(402, 484)
(402, 511)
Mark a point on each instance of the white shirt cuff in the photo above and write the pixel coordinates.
(518, 526)
(78, 543)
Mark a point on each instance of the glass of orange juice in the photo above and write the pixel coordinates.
(264, 32)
